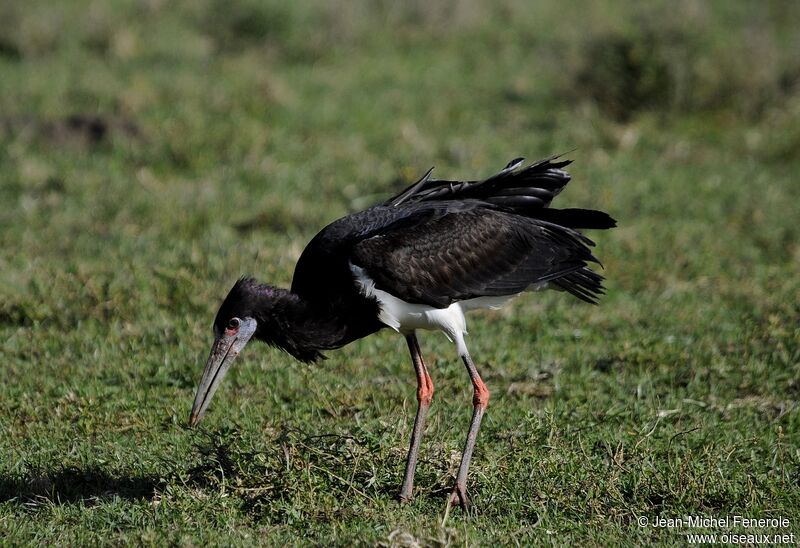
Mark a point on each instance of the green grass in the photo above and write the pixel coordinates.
(151, 153)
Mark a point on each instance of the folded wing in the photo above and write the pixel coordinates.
(473, 252)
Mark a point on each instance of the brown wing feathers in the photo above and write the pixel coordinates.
(498, 236)
(473, 253)
(442, 241)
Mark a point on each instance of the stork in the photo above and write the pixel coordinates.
(419, 260)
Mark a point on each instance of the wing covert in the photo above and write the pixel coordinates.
(469, 253)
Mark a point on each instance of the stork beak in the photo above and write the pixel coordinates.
(226, 348)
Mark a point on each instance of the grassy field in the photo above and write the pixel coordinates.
(151, 152)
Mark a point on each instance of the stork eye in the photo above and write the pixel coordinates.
(233, 323)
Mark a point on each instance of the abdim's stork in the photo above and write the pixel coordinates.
(417, 261)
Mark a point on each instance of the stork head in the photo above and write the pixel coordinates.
(234, 326)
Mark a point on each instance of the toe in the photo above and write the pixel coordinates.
(404, 499)
(460, 498)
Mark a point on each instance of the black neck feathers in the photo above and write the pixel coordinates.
(285, 320)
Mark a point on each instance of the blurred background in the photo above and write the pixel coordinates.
(127, 124)
(153, 151)
(135, 119)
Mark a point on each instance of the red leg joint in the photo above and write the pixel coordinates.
(480, 398)
(425, 390)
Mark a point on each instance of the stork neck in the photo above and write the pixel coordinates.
(300, 327)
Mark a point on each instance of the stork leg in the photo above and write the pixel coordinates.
(424, 397)
(480, 400)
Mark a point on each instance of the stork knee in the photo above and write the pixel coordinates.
(480, 397)
(425, 391)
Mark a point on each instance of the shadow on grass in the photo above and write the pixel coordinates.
(91, 484)
(265, 482)
(72, 485)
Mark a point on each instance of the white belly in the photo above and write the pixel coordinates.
(405, 317)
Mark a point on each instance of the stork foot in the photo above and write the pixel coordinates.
(404, 499)
(459, 497)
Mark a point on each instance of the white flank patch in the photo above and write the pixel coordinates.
(405, 317)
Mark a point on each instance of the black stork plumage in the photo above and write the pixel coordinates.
(419, 260)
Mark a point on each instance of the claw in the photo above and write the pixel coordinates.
(404, 499)
(460, 498)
